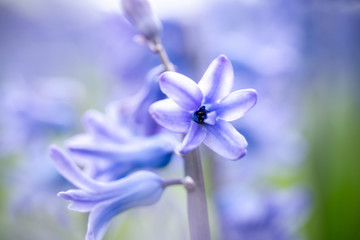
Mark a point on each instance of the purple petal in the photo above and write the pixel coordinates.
(101, 215)
(143, 193)
(235, 105)
(211, 118)
(94, 123)
(71, 172)
(99, 126)
(81, 201)
(182, 90)
(217, 80)
(107, 160)
(135, 151)
(225, 140)
(193, 138)
(169, 115)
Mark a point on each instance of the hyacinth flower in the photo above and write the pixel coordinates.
(108, 160)
(125, 138)
(28, 108)
(140, 13)
(104, 200)
(202, 111)
(133, 111)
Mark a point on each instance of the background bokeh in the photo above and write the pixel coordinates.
(59, 58)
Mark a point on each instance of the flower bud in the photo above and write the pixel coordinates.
(140, 14)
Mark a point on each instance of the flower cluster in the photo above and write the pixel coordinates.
(112, 154)
(123, 139)
(105, 200)
(137, 146)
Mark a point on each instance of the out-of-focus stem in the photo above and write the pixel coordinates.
(159, 49)
(196, 198)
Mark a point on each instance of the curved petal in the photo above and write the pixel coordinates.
(97, 125)
(235, 105)
(94, 123)
(116, 160)
(81, 201)
(143, 149)
(182, 90)
(71, 172)
(144, 193)
(135, 109)
(217, 80)
(211, 118)
(169, 115)
(223, 139)
(112, 171)
(193, 138)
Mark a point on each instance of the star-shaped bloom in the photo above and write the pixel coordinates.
(202, 111)
(104, 200)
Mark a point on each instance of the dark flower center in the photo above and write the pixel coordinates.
(200, 115)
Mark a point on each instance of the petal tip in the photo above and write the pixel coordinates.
(253, 92)
(181, 151)
(240, 155)
(55, 153)
(53, 149)
(90, 235)
(222, 58)
(164, 76)
(63, 195)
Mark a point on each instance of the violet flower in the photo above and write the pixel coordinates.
(125, 138)
(202, 111)
(140, 13)
(104, 200)
(262, 214)
(109, 160)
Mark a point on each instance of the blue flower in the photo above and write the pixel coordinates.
(203, 110)
(262, 214)
(104, 200)
(28, 109)
(140, 13)
(125, 138)
(109, 160)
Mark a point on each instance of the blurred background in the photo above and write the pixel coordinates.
(301, 176)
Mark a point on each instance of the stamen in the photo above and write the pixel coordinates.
(200, 115)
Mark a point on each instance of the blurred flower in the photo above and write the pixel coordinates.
(108, 160)
(271, 29)
(29, 108)
(262, 215)
(106, 200)
(125, 138)
(202, 111)
(134, 110)
(35, 173)
(141, 15)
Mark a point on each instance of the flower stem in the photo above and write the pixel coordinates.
(159, 49)
(196, 198)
